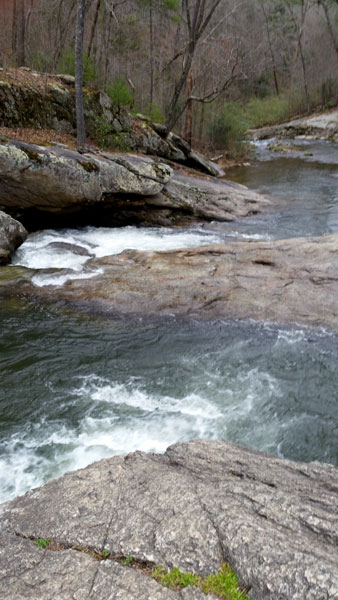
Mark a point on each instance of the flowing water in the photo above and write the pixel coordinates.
(76, 388)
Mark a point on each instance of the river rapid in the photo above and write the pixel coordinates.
(77, 388)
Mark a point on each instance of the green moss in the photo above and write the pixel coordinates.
(223, 584)
(31, 154)
(89, 166)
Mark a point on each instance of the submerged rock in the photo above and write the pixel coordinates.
(201, 503)
(286, 281)
(12, 235)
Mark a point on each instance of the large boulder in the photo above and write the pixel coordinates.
(12, 235)
(122, 188)
(287, 281)
(275, 522)
(56, 179)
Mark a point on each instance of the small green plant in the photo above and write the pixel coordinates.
(128, 560)
(153, 112)
(223, 584)
(42, 542)
(105, 553)
(119, 92)
(66, 64)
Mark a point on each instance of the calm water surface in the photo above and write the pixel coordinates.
(75, 388)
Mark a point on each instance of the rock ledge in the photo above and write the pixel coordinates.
(201, 503)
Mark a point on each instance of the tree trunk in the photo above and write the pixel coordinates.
(92, 33)
(188, 115)
(21, 30)
(151, 41)
(80, 124)
(272, 54)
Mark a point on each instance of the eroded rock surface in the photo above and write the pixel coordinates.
(119, 188)
(12, 235)
(286, 281)
(201, 503)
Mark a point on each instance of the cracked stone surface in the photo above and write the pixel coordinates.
(201, 503)
(286, 281)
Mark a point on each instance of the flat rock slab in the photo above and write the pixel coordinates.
(287, 281)
(200, 504)
(320, 126)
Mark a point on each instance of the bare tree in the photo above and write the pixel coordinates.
(80, 123)
(198, 17)
(18, 32)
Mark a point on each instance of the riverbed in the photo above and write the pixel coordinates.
(77, 388)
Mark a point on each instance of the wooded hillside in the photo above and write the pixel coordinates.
(200, 66)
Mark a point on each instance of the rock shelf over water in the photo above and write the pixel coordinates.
(200, 504)
(121, 189)
(286, 281)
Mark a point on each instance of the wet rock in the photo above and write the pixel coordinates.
(12, 235)
(201, 503)
(287, 281)
(68, 247)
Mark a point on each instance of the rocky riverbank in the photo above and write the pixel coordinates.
(200, 504)
(322, 126)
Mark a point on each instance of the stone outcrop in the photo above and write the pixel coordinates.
(321, 126)
(275, 522)
(12, 235)
(48, 101)
(287, 281)
(124, 188)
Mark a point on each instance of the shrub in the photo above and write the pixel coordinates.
(119, 92)
(267, 111)
(227, 129)
(153, 112)
(66, 64)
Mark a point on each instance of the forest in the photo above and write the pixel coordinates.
(207, 68)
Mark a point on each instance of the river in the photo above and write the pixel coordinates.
(77, 388)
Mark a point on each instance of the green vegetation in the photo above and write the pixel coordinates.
(105, 553)
(153, 112)
(42, 542)
(66, 64)
(128, 560)
(223, 584)
(267, 111)
(119, 92)
(227, 128)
